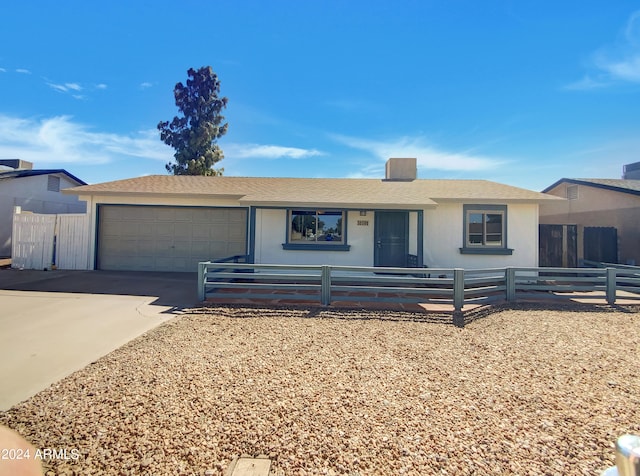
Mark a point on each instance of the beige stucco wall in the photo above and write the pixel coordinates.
(271, 229)
(444, 237)
(598, 207)
(443, 234)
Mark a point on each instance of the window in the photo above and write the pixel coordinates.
(485, 229)
(316, 229)
(53, 183)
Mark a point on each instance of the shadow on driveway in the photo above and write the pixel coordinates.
(175, 290)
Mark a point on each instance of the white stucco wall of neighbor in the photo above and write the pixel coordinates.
(443, 238)
(271, 229)
(31, 195)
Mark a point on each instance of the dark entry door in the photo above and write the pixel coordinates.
(391, 239)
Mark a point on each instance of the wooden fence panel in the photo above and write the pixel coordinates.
(558, 246)
(601, 244)
(72, 242)
(40, 241)
(32, 241)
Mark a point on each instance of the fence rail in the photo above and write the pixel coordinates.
(235, 278)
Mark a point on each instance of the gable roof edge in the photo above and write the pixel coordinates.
(587, 183)
(36, 172)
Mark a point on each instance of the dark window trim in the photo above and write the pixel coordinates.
(484, 249)
(316, 245)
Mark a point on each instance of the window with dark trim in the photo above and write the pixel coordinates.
(485, 229)
(316, 229)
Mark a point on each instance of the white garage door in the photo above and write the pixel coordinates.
(157, 238)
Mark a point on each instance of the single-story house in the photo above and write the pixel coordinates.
(34, 190)
(606, 213)
(170, 223)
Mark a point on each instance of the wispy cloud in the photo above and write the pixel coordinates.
(618, 62)
(23, 71)
(588, 83)
(145, 85)
(61, 140)
(73, 89)
(428, 156)
(66, 87)
(2, 70)
(258, 151)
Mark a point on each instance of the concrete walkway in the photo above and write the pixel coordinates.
(53, 323)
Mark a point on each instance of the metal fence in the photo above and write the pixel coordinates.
(233, 278)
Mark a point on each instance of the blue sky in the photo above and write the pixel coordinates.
(521, 92)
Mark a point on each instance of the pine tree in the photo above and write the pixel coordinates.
(194, 135)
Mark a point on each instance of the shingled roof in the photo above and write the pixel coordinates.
(316, 191)
(617, 185)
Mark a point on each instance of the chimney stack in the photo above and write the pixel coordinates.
(631, 171)
(17, 164)
(401, 169)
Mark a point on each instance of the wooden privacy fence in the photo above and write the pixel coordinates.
(233, 279)
(42, 241)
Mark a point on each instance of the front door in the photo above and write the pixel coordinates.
(391, 239)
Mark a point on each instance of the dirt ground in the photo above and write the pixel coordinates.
(520, 391)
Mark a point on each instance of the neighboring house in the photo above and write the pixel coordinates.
(37, 191)
(605, 212)
(169, 223)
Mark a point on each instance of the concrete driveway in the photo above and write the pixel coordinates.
(53, 323)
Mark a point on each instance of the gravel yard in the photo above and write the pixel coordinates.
(526, 391)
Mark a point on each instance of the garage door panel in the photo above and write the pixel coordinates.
(236, 249)
(163, 214)
(158, 247)
(219, 249)
(200, 231)
(181, 249)
(236, 234)
(159, 238)
(218, 233)
(237, 216)
(183, 231)
(200, 248)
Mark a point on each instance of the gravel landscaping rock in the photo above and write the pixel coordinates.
(527, 391)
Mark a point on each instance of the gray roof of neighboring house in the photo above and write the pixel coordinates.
(317, 191)
(31, 173)
(617, 185)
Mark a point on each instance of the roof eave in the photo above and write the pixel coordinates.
(337, 205)
(498, 200)
(112, 193)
